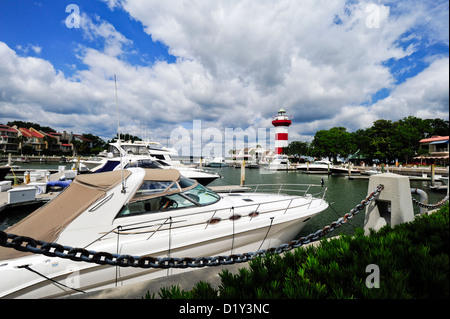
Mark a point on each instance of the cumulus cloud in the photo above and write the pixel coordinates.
(115, 43)
(425, 95)
(237, 62)
(313, 57)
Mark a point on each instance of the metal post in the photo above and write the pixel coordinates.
(423, 199)
(243, 173)
(448, 177)
(432, 174)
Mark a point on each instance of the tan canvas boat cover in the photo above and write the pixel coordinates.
(163, 175)
(47, 222)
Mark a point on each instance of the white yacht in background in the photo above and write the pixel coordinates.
(149, 155)
(344, 170)
(217, 161)
(144, 212)
(322, 166)
(278, 163)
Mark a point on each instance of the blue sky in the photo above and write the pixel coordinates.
(28, 23)
(230, 64)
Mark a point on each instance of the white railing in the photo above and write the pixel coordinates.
(244, 209)
(301, 189)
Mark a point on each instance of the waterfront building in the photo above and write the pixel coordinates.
(33, 138)
(8, 139)
(438, 150)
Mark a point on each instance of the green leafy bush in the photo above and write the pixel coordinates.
(413, 262)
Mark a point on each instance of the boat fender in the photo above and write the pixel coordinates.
(59, 183)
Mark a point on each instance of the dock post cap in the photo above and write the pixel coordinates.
(394, 204)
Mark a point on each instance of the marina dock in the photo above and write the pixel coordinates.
(36, 198)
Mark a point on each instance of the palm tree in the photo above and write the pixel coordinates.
(21, 139)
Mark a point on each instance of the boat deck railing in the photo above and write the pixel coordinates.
(290, 189)
(250, 209)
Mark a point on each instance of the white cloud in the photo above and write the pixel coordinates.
(237, 63)
(289, 53)
(29, 48)
(114, 42)
(425, 95)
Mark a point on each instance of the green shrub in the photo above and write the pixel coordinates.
(202, 290)
(413, 262)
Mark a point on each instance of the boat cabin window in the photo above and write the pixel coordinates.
(186, 182)
(202, 195)
(156, 205)
(131, 149)
(159, 156)
(162, 163)
(191, 197)
(135, 149)
(149, 188)
(143, 164)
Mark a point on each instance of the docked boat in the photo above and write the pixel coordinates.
(279, 163)
(145, 153)
(322, 167)
(342, 170)
(252, 164)
(4, 170)
(372, 172)
(217, 161)
(199, 175)
(144, 212)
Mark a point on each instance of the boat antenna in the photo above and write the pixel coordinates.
(118, 135)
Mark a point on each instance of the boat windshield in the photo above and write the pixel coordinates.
(190, 197)
(147, 163)
(201, 195)
(130, 149)
(135, 149)
(149, 188)
(186, 182)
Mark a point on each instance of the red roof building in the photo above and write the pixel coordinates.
(8, 136)
(435, 138)
(34, 138)
(438, 149)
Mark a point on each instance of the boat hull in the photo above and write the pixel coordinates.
(223, 239)
(344, 171)
(3, 172)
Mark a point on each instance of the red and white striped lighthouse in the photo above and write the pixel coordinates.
(281, 123)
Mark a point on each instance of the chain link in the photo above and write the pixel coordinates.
(431, 206)
(27, 244)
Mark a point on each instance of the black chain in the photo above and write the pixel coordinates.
(28, 244)
(431, 206)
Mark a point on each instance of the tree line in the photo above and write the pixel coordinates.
(385, 141)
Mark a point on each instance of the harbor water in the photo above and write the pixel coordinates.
(342, 194)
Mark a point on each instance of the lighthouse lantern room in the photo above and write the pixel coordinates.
(281, 123)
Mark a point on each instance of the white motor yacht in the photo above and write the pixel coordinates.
(218, 161)
(344, 170)
(322, 166)
(143, 212)
(136, 153)
(199, 175)
(279, 163)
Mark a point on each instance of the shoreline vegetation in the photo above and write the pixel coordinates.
(412, 259)
(385, 141)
